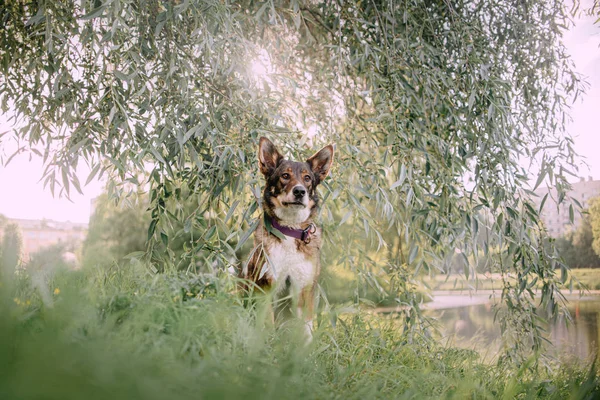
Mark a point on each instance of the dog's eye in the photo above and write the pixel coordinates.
(285, 176)
(307, 178)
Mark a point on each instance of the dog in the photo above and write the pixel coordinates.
(285, 260)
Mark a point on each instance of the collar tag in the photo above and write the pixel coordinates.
(310, 229)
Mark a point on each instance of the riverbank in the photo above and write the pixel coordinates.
(444, 299)
(585, 279)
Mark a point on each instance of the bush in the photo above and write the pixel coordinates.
(116, 229)
(576, 247)
(11, 250)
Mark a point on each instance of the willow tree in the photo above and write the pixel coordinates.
(437, 109)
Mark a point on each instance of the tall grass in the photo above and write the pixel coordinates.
(122, 333)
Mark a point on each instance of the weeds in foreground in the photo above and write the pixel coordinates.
(125, 333)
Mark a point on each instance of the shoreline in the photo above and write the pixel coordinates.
(445, 299)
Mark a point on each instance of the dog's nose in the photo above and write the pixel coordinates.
(299, 191)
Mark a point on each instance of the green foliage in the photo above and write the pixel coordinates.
(11, 249)
(594, 10)
(578, 248)
(115, 230)
(124, 333)
(433, 105)
(384, 290)
(586, 278)
(594, 220)
(52, 258)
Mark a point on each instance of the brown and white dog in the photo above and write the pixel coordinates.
(287, 243)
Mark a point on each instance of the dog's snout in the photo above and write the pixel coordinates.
(299, 191)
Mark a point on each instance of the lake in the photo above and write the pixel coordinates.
(469, 322)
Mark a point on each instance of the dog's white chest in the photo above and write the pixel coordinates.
(289, 263)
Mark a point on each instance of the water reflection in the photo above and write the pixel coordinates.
(473, 326)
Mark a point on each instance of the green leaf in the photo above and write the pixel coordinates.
(540, 179)
(156, 154)
(542, 203)
(152, 228)
(414, 250)
(189, 134)
(571, 213)
(345, 218)
(76, 184)
(210, 232)
(135, 255)
(78, 145)
(401, 179)
(65, 179)
(246, 235)
(92, 174)
(96, 12)
(187, 226)
(121, 76)
(231, 210)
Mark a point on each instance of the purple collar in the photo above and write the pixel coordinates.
(301, 234)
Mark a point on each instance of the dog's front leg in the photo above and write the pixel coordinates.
(305, 309)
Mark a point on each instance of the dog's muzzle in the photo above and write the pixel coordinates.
(299, 191)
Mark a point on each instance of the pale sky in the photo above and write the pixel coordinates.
(583, 43)
(22, 195)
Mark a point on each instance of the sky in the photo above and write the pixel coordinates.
(22, 194)
(583, 44)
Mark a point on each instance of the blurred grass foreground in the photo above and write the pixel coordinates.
(121, 332)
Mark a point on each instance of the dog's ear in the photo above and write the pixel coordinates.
(321, 162)
(268, 156)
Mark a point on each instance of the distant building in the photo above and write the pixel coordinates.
(556, 219)
(38, 234)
